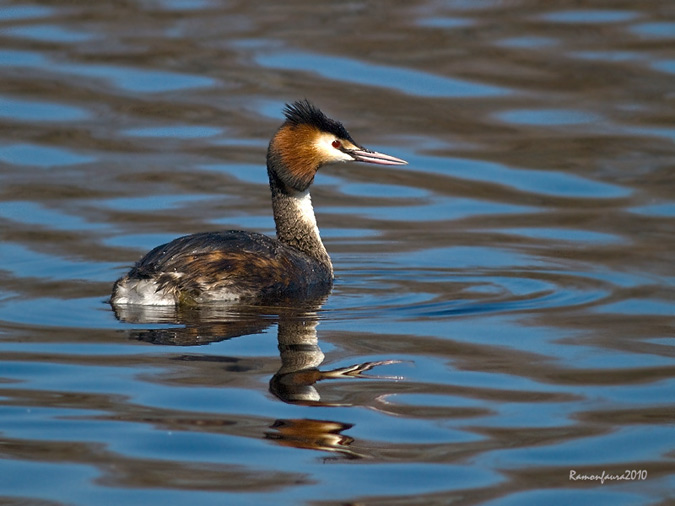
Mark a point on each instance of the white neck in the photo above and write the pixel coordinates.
(306, 210)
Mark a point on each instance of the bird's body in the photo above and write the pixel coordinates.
(233, 265)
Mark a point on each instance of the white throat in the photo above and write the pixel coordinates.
(303, 203)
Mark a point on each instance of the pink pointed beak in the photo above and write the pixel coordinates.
(365, 155)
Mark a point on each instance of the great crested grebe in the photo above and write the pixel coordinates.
(231, 265)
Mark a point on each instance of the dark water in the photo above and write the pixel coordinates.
(503, 312)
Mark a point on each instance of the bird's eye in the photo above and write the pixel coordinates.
(336, 144)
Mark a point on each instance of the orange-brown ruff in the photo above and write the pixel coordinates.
(231, 265)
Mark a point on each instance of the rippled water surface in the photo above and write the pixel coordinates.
(503, 310)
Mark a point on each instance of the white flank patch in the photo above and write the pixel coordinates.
(142, 291)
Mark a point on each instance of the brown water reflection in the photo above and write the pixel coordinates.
(511, 288)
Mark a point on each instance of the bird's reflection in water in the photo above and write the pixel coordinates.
(313, 435)
(296, 380)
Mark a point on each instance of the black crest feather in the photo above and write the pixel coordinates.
(303, 112)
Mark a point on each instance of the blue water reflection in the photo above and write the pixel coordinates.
(174, 132)
(548, 117)
(553, 183)
(407, 81)
(28, 110)
(41, 156)
(656, 30)
(123, 77)
(565, 497)
(603, 449)
(19, 12)
(27, 263)
(49, 33)
(32, 213)
(590, 16)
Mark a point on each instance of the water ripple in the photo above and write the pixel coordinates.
(539, 182)
(590, 16)
(21, 12)
(28, 110)
(122, 77)
(49, 33)
(41, 156)
(488, 291)
(412, 82)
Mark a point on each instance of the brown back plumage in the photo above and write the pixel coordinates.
(236, 261)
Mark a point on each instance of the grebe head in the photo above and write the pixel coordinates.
(309, 139)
